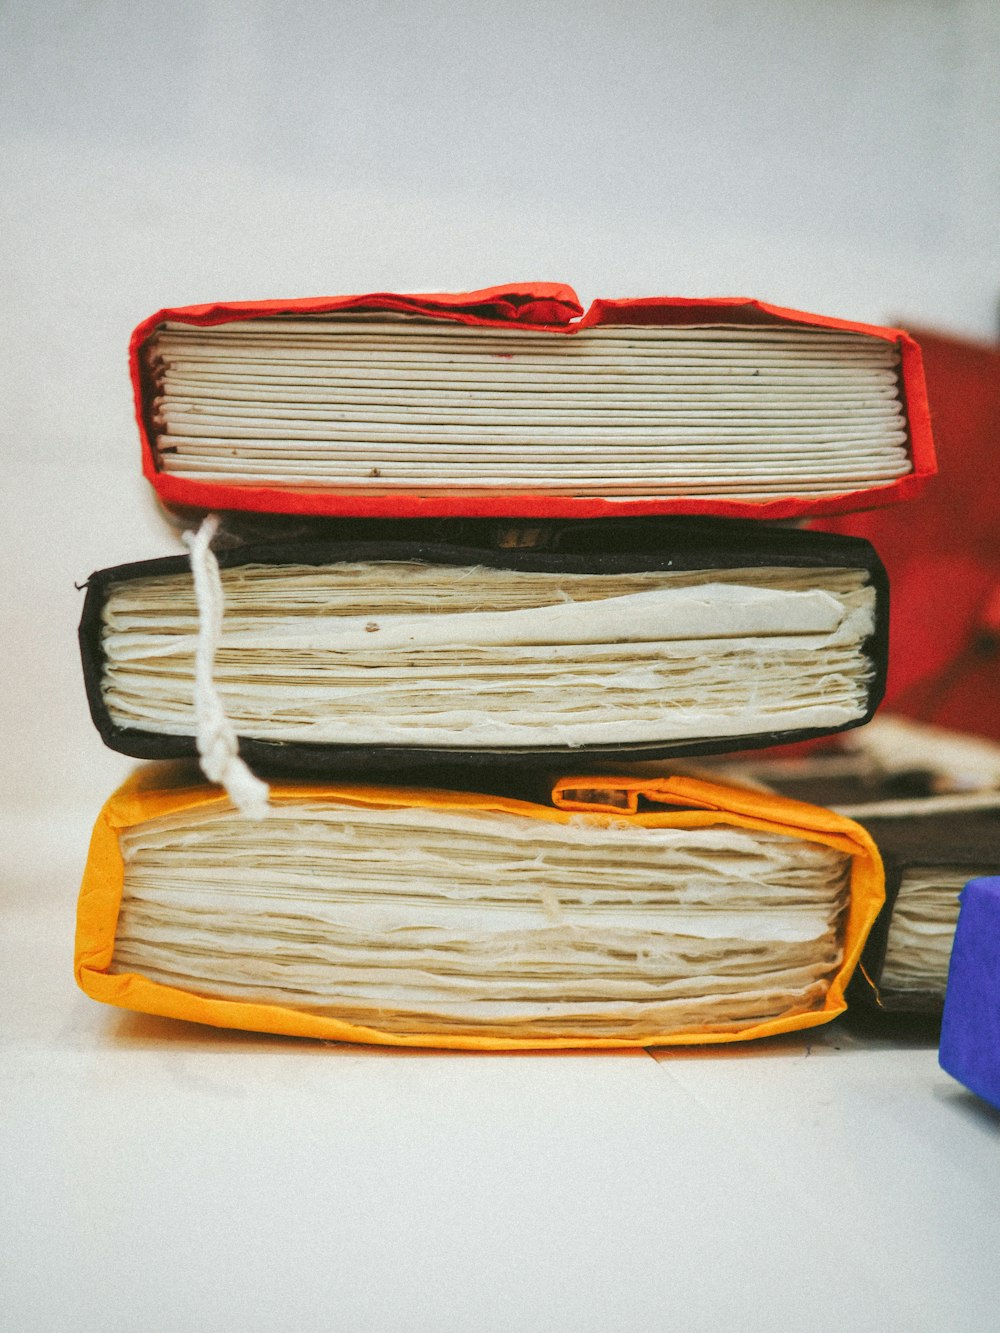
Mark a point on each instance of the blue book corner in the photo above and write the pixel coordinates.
(970, 1028)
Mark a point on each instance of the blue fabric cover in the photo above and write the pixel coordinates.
(970, 1028)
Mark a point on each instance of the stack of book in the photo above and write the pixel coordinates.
(468, 558)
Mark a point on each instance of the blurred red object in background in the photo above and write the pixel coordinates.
(942, 550)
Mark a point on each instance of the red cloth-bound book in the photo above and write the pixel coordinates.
(513, 402)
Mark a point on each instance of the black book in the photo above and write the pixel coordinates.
(397, 648)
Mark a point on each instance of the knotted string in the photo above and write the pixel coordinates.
(216, 739)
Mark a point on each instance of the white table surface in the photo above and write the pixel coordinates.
(162, 1176)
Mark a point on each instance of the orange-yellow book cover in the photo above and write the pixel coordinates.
(623, 913)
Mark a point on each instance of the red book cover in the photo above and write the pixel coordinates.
(942, 552)
(550, 310)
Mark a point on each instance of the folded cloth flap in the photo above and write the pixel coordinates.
(543, 303)
(612, 793)
(970, 1028)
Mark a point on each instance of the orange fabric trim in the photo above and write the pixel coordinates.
(159, 790)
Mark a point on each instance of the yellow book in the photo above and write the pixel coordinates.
(627, 912)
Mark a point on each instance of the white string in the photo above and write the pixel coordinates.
(217, 745)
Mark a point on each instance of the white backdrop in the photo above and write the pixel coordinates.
(839, 157)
